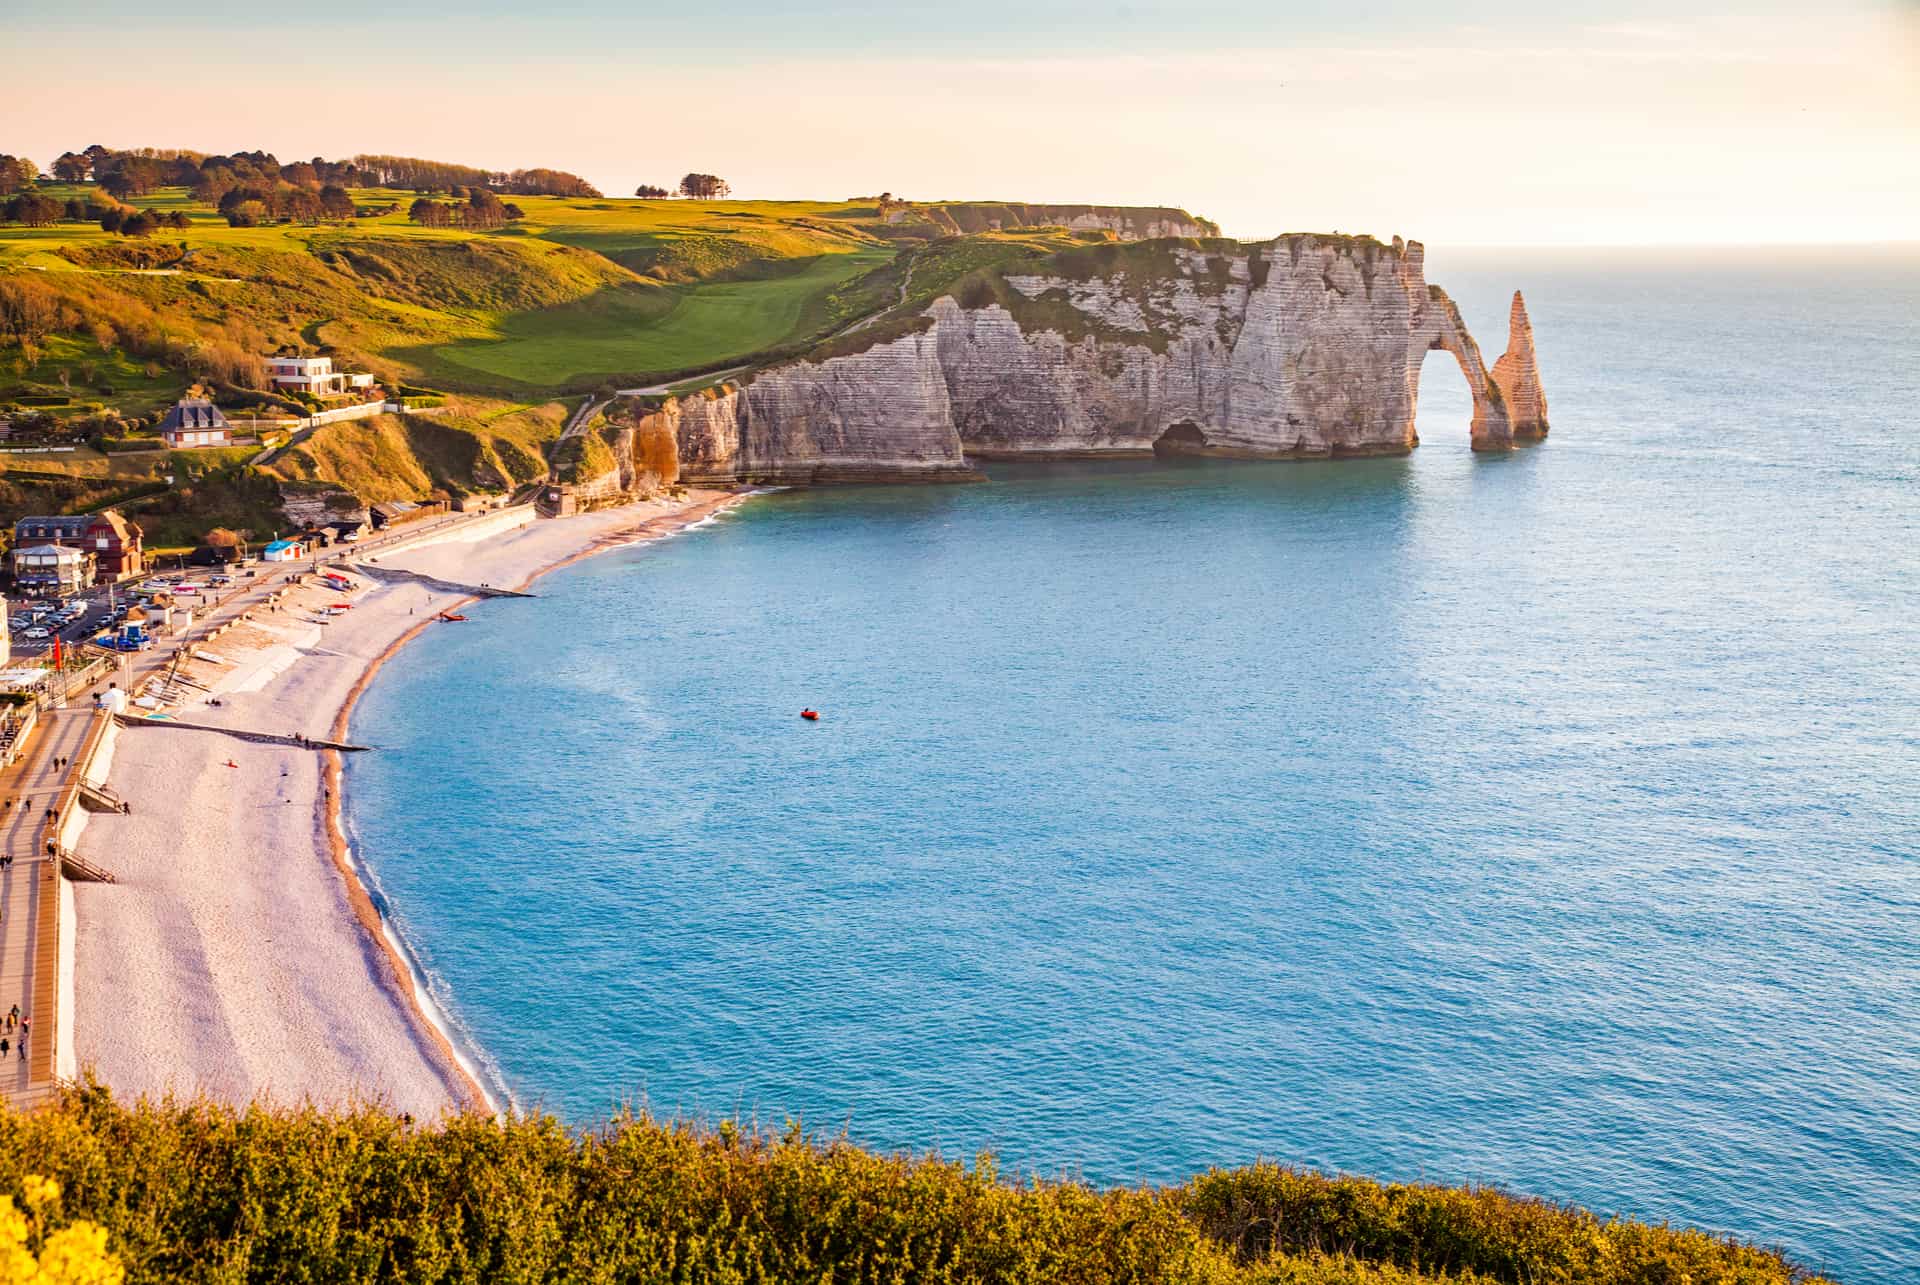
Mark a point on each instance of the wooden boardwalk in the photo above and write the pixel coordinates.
(30, 896)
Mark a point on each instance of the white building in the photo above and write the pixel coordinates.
(51, 570)
(315, 375)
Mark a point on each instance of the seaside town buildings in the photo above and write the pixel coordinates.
(113, 544)
(193, 423)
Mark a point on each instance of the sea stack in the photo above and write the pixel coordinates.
(1518, 375)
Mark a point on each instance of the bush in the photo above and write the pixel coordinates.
(197, 1191)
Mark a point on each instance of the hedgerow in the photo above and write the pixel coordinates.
(196, 1191)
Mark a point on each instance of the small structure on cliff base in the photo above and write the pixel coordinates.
(1303, 347)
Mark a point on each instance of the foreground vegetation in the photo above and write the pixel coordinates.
(198, 1192)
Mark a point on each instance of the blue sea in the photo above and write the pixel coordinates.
(1549, 820)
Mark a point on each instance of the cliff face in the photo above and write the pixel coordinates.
(1306, 347)
(874, 416)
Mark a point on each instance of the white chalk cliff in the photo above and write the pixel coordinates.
(1303, 347)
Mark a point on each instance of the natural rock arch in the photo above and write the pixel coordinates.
(1508, 403)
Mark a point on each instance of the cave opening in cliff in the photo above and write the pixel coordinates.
(1444, 413)
(1181, 439)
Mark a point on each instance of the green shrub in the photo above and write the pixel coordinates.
(201, 1192)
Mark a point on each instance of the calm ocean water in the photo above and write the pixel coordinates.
(1550, 820)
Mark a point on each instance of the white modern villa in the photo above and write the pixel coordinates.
(315, 375)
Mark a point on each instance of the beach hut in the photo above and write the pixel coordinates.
(284, 551)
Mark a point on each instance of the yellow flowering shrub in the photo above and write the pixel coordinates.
(73, 1255)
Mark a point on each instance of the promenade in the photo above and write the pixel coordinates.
(30, 898)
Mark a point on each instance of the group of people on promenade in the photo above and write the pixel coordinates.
(14, 1025)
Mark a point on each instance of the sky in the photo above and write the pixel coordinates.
(1505, 122)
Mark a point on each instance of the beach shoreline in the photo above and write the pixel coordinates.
(377, 925)
(184, 982)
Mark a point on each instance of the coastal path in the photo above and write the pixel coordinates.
(30, 896)
(576, 425)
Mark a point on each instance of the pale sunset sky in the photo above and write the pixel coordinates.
(1505, 122)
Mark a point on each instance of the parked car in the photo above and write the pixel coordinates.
(35, 632)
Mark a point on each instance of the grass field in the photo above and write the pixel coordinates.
(110, 377)
(577, 293)
(642, 331)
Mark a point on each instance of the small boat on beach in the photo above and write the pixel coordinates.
(451, 617)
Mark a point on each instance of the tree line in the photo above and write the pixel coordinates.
(480, 209)
(138, 171)
(696, 187)
(419, 175)
(37, 210)
(251, 204)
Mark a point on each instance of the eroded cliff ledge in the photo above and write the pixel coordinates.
(1307, 346)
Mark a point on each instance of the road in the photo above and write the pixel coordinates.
(661, 390)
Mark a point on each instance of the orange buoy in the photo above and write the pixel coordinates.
(811, 715)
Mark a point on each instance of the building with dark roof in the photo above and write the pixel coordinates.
(195, 422)
(115, 545)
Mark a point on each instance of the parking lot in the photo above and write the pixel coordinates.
(80, 617)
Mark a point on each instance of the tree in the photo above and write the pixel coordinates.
(179, 219)
(16, 172)
(131, 175)
(484, 209)
(140, 223)
(30, 310)
(249, 214)
(650, 192)
(544, 182)
(34, 210)
(336, 202)
(71, 167)
(428, 213)
(112, 218)
(704, 187)
(301, 205)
